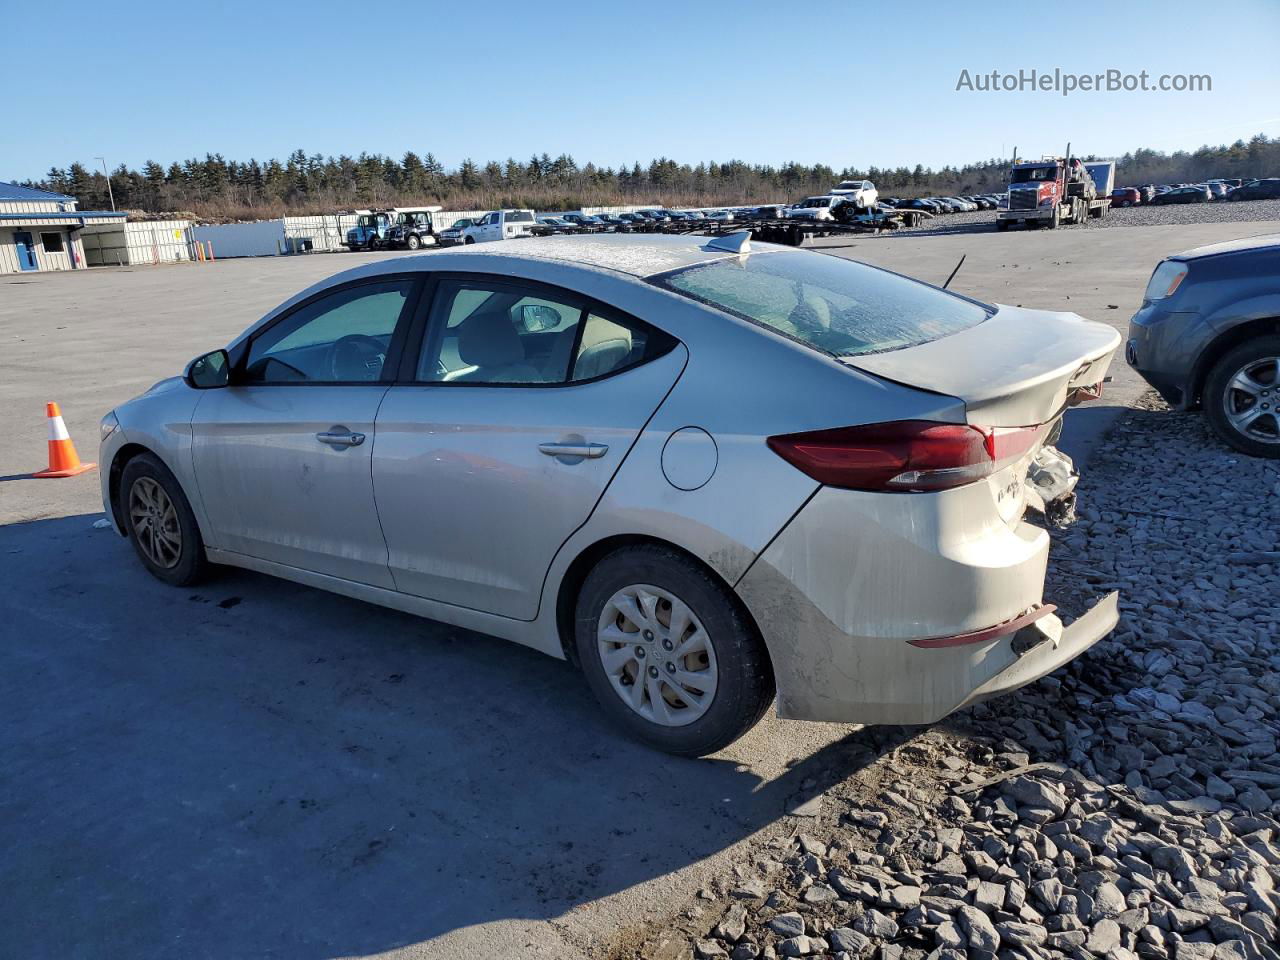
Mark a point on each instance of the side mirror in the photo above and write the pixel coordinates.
(209, 371)
(536, 317)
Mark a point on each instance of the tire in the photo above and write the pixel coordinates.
(1260, 358)
(469, 240)
(138, 502)
(731, 654)
(1002, 226)
(375, 243)
(413, 243)
(1055, 219)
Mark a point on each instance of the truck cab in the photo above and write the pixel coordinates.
(500, 225)
(370, 231)
(414, 227)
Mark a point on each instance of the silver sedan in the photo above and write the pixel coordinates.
(709, 474)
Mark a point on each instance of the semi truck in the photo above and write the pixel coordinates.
(1056, 190)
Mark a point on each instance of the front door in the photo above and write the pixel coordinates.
(282, 456)
(26, 250)
(526, 400)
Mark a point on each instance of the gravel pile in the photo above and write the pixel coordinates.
(1218, 212)
(1124, 807)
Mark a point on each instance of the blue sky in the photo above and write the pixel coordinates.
(618, 82)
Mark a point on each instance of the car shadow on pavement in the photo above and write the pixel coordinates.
(255, 768)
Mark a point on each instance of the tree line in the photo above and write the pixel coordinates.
(220, 189)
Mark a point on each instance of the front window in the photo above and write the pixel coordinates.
(366, 221)
(836, 306)
(1034, 174)
(340, 338)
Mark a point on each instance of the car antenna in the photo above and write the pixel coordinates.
(955, 271)
(738, 242)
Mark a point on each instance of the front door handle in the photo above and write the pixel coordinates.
(340, 437)
(574, 451)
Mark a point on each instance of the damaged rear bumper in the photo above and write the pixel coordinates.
(1046, 645)
(883, 609)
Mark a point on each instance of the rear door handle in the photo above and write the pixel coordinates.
(585, 451)
(340, 437)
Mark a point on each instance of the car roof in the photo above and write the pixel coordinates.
(638, 256)
(1265, 241)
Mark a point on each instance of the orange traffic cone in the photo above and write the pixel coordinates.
(63, 460)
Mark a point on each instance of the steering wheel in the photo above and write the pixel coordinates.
(357, 356)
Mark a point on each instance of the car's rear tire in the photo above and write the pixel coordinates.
(1241, 397)
(158, 520)
(638, 609)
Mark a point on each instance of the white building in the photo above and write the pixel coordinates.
(40, 230)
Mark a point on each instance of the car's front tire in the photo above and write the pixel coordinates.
(159, 523)
(669, 653)
(1242, 397)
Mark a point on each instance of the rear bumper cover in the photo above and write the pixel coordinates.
(842, 592)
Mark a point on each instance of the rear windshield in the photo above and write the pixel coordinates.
(837, 306)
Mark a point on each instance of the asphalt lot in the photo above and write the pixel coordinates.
(253, 768)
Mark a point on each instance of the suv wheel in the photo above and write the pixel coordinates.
(159, 522)
(668, 652)
(1242, 397)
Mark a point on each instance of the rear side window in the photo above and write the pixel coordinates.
(836, 306)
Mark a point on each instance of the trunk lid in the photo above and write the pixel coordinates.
(1015, 369)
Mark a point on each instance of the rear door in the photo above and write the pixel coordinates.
(502, 436)
(282, 456)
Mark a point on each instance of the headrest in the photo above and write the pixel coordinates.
(487, 339)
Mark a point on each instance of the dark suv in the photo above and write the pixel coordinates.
(1208, 335)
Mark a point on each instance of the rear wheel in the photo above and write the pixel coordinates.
(668, 652)
(159, 522)
(1242, 397)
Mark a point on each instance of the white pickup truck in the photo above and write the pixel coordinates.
(500, 225)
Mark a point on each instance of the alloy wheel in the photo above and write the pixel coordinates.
(657, 655)
(1251, 398)
(155, 523)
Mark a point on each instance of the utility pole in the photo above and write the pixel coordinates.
(110, 193)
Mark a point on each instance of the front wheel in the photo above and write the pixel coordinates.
(413, 243)
(159, 522)
(669, 653)
(1242, 397)
(375, 243)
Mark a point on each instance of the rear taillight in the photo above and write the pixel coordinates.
(905, 455)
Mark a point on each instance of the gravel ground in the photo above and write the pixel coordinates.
(984, 221)
(1123, 807)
